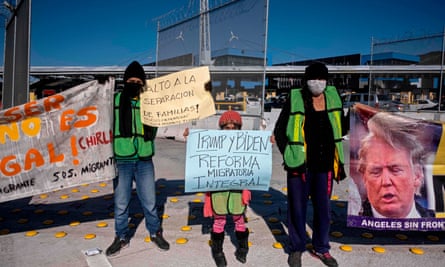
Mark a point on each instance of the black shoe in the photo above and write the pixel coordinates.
(327, 259)
(117, 245)
(159, 240)
(294, 259)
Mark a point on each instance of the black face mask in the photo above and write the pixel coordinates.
(132, 89)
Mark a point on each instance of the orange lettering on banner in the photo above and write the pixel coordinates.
(87, 114)
(33, 156)
(53, 102)
(13, 114)
(30, 127)
(9, 169)
(53, 158)
(32, 108)
(65, 120)
(90, 117)
(11, 130)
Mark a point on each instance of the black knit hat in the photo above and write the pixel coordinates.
(316, 71)
(134, 70)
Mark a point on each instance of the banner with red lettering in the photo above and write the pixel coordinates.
(397, 166)
(60, 141)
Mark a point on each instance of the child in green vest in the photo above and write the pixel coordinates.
(222, 203)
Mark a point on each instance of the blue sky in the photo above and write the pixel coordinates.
(110, 33)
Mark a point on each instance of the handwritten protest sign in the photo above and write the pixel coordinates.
(56, 142)
(397, 166)
(177, 98)
(228, 160)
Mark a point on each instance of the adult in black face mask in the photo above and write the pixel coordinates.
(133, 144)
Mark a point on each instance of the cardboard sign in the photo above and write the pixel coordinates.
(177, 98)
(219, 160)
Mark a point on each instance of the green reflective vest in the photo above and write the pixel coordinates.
(295, 151)
(228, 202)
(131, 148)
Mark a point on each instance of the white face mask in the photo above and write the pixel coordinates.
(316, 86)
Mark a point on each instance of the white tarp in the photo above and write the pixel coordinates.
(57, 142)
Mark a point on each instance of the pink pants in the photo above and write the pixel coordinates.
(219, 221)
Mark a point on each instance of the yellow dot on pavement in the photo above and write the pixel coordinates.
(417, 251)
(433, 238)
(60, 234)
(84, 197)
(64, 196)
(273, 220)
(147, 239)
(75, 190)
(197, 200)
(277, 231)
(367, 235)
(284, 189)
(340, 204)
(199, 194)
(346, 248)
(335, 197)
(401, 236)
(181, 240)
(90, 236)
(48, 222)
(337, 234)
(165, 216)
(378, 249)
(102, 224)
(249, 244)
(174, 199)
(62, 212)
(103, 184)
(74, 223)
(31, 233)
(43, 196)
(22, 220)
(85, 185)
(39, 211)
(4, 231)
(138, 215)
(186, 228)
(277, 245)
(94, 191)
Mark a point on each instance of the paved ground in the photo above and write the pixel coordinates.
(91, 207)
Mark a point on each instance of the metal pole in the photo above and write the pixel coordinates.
(264, 61)
(157, 51)
(370, 71)
(441, 67)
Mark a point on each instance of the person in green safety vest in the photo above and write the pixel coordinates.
(309, 134)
